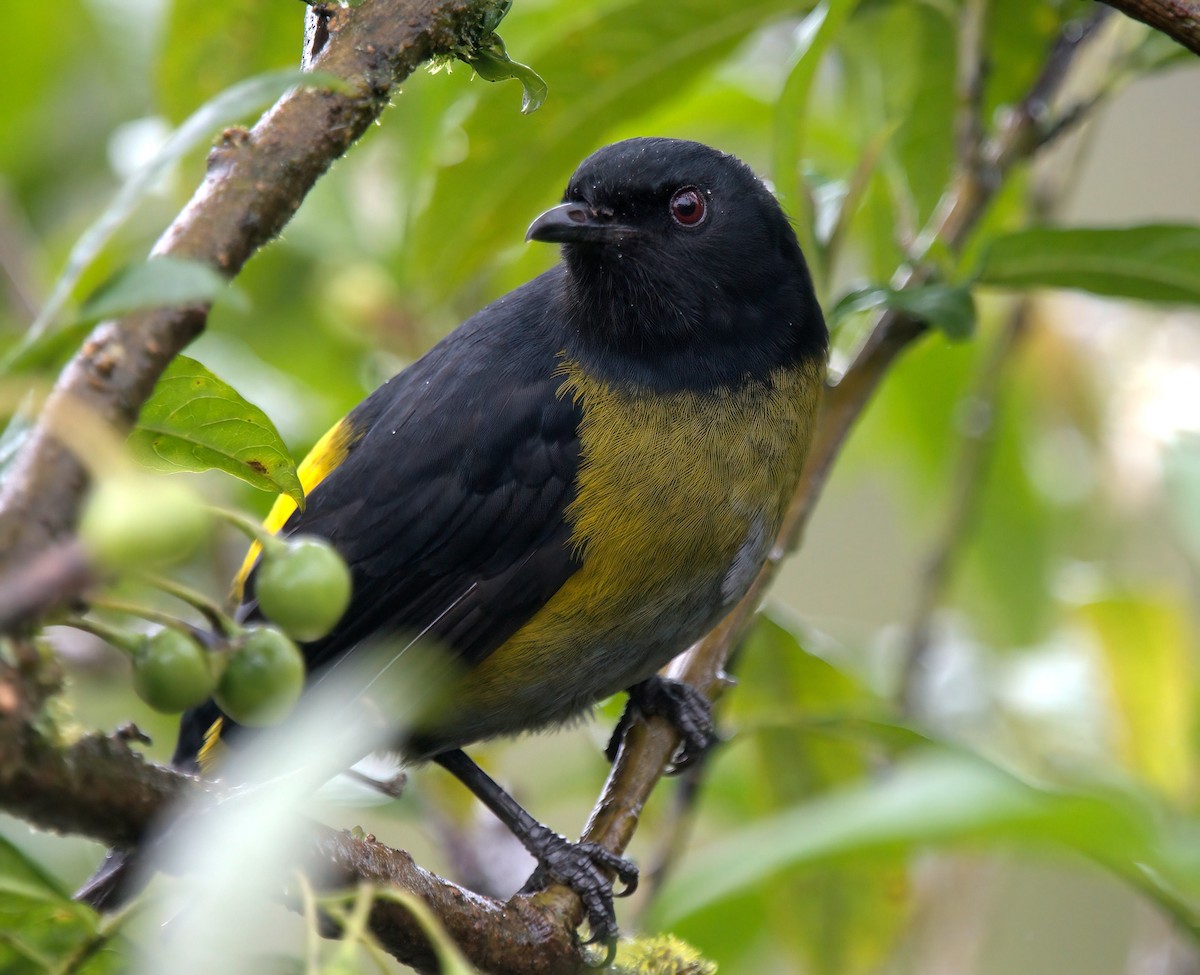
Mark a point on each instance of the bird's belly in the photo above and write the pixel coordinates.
(679, 498)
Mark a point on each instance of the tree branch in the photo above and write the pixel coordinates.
(255, 182)
(1178, 19)
(97, 786)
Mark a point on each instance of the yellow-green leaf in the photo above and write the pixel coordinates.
(197, 422)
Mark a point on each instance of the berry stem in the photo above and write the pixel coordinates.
(143, 612)
(217, 618)
(271, 544)
(127, 643)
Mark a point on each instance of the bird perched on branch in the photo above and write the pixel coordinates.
(579, 481)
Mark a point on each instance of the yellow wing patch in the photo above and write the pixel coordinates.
(210, 751)
(326, 454)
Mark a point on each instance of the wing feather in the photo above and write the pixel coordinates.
(449, 501)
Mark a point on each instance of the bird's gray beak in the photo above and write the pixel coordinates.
(575, 223)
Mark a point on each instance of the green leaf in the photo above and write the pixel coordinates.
(41, 928)
(51, 350)
(199, 56)
(784, 684)
(156, 282)
(950, 308)
(931, 798)
(839, 920)
(791, 117)
(900, 60)
(1017, 37)
(16, 432)
(21, 877)
(1009, 567)
(1155, 262)
(196, 422)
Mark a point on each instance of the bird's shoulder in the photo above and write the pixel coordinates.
(449, 493)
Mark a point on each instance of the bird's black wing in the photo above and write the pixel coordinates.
(449, 506)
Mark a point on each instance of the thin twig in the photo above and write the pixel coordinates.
(970, 83)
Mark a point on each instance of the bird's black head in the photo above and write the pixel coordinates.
(682, 270)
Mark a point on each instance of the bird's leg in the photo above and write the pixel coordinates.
(682, 705)
(584, 867)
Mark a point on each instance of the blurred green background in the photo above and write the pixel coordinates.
(1062, 647)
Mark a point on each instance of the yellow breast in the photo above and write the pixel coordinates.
(678, 498)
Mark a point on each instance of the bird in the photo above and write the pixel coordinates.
(579, 481)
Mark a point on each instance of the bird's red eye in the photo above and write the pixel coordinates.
(687, 207)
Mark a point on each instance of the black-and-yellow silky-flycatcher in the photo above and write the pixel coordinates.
(580, 480)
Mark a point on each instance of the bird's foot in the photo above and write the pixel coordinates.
(681, 704)
(585, 869)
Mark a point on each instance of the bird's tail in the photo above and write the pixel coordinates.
(117, 881)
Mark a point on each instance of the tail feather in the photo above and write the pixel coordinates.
(117, 881)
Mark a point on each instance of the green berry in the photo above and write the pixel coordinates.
(141, 521)
(304, 588)
(263, 677)
(172, 672)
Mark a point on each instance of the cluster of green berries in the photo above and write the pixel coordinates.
(255, 673)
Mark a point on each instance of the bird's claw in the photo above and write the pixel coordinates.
(681, 704)
(585, 869)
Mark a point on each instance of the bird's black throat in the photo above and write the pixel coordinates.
(642, 318)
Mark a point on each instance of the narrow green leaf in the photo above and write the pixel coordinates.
(16, 432)
(196, 422)
(47, 352)
(1154, 262)
(199, 56)
(791, 117)
(930, 798)
(156, 282)
(837, 919)
(899, 60)
(949, 308)
(22, 877)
